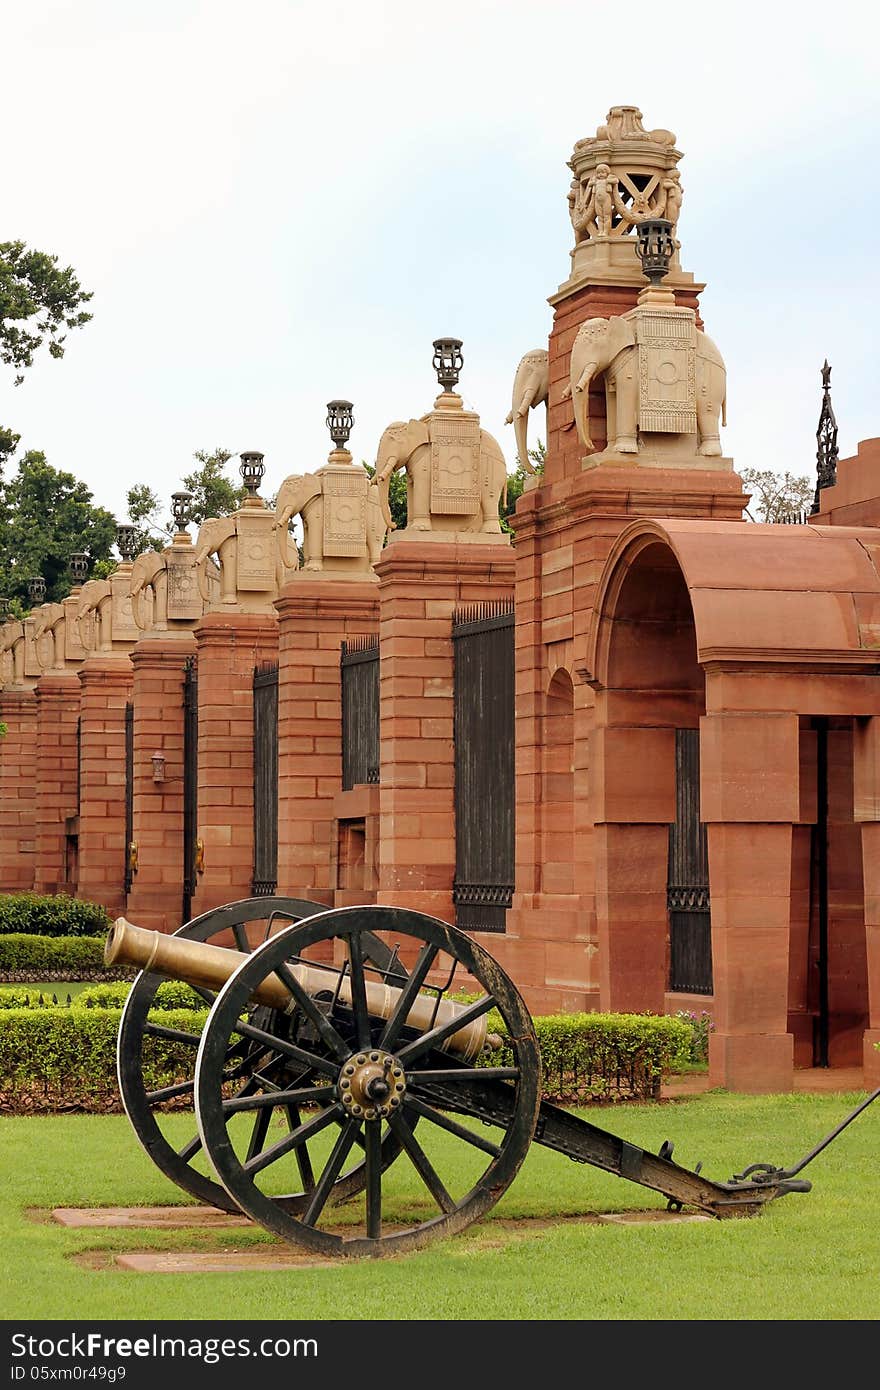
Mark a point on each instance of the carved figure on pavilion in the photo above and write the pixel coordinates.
(531, 386)
(343, 529)
(455, 471)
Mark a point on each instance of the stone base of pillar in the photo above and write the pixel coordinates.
(420, 586)
(230, 645)
(106, 688)
(55, 867)
(315, 616)
(754, 1063)
(18, 777)
(871, 1046)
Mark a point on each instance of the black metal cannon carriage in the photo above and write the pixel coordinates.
(339, 1024)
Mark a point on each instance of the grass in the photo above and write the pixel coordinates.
(813, 1256)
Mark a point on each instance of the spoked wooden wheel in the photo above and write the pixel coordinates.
(393, 1058)
(248, 922)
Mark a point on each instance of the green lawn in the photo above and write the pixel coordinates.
(813, 1256)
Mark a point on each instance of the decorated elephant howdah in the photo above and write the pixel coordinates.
(343, 527)
(662, 377)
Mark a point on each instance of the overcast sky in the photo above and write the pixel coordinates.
(276, 203)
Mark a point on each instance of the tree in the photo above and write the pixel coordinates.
(776, 496)
(396, 493)
(39, 303)
(213, 493)
(516, 482)
(45, 516)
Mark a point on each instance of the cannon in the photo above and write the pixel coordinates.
(333, 1053)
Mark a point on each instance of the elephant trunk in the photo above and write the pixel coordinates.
(581, 403)
(521, 430)
(383, 483)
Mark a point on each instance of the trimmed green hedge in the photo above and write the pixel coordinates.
(55, 1060)
(38, 955)
(170, 995)
(604, 1057)
(51, 915)
(64, 1058)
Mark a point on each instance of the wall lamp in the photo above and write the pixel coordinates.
(158, 761)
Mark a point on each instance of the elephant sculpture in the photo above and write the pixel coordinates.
(302, 494)
(94, 615)
(531, 386)
(217, 536)
(149, 581)
(608, 347)
(408, 444)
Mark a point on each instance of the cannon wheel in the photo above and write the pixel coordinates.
(360, 1047)
(143, 1107)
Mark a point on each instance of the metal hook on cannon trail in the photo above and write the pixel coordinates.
(768, 1173)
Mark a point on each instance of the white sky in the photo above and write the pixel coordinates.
(279, 202)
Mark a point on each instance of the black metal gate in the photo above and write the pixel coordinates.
(190, 781)
(129, 794)
(265, 876)
(483, 645)
(359, 673)
(687, 888)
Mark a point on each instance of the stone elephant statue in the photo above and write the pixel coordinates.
(217, 536)
(608, 346)
(303, 494)
(300, 495)
(531, 386)
(93, 615)
(407, 444)
(149, 581)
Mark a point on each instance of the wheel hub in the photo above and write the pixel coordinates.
(371, 1084)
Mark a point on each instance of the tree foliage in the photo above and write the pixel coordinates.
(776, 496)
(39, 303)
(46, 515)
(213, 494)
(516, 482)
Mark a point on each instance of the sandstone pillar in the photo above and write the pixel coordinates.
(106, 685)
(57, 696)
(420, 585)
(749, 796)
(156, 897)
(230, 644)
(18, 780)
(866, 798)
(315, 617)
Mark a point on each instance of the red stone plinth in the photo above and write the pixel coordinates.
(156, 897)
(55, 811)
(18, 777)
(314, 617)
(750, 869)
(420, 584)
(871, 870)
(106, 685)
(230, 644)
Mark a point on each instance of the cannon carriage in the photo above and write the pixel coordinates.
(333, 1060)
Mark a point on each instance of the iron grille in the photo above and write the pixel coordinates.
(129, 792)
(359, 671)
(190, 781)
(483, 647)
(687, 888)
(265, 875)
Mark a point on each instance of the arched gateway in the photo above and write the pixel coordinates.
(764, 640)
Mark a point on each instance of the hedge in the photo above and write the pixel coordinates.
(60, 1058)
(170, 995)
(38, 956)
(57, 1060)
(591, 1057)
(51, 915)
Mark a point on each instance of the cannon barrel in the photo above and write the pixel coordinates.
(197, 963)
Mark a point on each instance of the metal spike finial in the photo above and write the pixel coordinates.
(826, 440)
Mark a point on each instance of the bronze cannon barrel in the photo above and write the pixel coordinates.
(197, 963)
